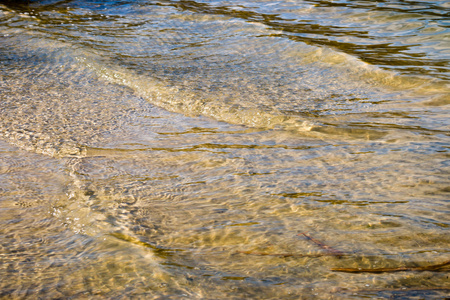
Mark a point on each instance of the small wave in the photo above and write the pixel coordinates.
(176, 100)
(352, 67)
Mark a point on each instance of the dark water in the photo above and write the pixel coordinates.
(224, 149)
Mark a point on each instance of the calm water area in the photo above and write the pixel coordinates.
(224, 149)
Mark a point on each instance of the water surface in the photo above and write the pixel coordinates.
(180, 149)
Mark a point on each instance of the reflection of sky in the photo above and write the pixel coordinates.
(388, 33)
(410, 37)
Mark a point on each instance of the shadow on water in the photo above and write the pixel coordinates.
(15, 3)
(25, 5)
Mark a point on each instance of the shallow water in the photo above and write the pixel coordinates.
(179, 149)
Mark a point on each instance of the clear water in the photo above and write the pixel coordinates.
(179, 149)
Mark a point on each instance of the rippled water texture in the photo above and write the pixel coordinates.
(224, 149)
